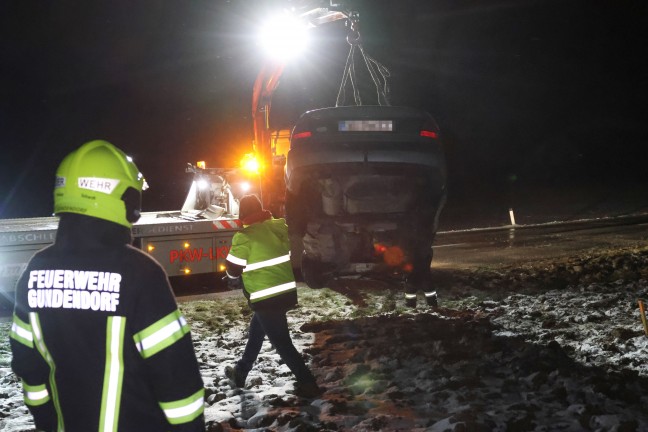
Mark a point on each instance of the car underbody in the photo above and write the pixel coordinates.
(353, 222)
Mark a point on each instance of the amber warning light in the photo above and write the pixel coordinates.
(250, 164)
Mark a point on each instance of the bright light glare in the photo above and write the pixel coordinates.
(283, 36)
(202, 184)
(362, 383)
(245, 186)
(250, 164)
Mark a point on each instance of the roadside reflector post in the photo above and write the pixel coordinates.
(512, 216)
(642, 312)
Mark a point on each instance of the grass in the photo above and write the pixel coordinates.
(214, 317)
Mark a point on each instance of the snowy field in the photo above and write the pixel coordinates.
(546, 346)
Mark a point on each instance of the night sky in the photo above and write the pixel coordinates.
(549, 92)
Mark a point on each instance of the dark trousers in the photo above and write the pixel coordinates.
(274, 325)
(421, 278)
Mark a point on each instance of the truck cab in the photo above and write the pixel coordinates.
(364, 189)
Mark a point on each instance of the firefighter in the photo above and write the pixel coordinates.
(421, 240)
(420, 280)
(260, 256)
(97, 337)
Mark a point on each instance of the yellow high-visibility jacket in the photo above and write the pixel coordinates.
(262, 250)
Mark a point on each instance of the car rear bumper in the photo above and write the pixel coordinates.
(307, 161)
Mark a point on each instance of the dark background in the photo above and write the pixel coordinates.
(528, 94)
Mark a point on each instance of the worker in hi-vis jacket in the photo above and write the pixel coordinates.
(260, 256)
(97, 337)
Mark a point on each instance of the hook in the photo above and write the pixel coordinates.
(353, 22)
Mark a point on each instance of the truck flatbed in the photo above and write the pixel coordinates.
(182, 242)
(41, 230)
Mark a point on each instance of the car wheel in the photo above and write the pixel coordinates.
(296, 250)
(312, 272)
(295, 215)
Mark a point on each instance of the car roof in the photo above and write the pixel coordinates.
(364, 112)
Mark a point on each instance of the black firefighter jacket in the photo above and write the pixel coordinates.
(98, 340)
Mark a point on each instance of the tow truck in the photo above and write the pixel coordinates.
(193, 240)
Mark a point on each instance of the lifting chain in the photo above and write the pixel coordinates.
(379, 73)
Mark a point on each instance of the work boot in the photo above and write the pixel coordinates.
(235, 375)
(308, 389)
(431, 298)
(410, 300)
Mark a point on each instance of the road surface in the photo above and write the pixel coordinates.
(513, 244)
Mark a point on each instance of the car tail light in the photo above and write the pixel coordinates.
(429, 134)
(300, 135)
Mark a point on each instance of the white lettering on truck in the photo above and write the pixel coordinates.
(35, 237)
(73, 289)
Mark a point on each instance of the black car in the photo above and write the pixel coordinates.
(364, 189)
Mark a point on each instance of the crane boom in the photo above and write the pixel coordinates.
(267, 143)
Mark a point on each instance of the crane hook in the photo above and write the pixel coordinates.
(353, 22)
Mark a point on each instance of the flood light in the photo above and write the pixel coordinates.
(283, 36)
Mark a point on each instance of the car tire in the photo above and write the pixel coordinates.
(296, 215)
(312, 272)
(296, 251)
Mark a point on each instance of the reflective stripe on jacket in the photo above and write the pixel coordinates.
(263, 249)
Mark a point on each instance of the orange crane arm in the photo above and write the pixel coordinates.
(266, 83)
(312, 12)
(264, 87)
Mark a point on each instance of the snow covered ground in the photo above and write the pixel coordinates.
(545, 346)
